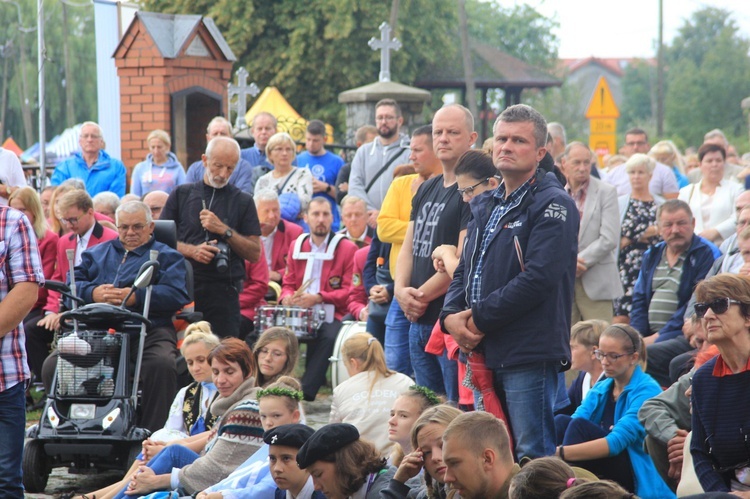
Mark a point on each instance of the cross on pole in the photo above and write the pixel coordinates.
(385, 45)
(241, 90)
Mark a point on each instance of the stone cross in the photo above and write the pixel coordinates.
(385, 45)
(241, 90)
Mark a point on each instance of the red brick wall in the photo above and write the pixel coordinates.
(147, 81)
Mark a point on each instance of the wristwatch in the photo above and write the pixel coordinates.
(228, 234)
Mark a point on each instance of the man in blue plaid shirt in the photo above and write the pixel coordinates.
(511, 294)
(20, 278)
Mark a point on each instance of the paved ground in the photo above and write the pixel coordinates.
(60, 481)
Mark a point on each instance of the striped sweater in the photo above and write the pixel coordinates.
(237, 436)
(721, 425)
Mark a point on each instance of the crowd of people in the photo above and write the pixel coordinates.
(481, 275)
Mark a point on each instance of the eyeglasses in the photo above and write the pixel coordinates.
(610, 356)
(719, 306)
(156, 209)
(126, 228)
(386, 118)
(71, 220)
(470, 189)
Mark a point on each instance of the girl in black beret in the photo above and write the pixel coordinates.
(342, 465)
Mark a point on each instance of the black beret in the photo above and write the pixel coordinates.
(325, 442)
(288, 435)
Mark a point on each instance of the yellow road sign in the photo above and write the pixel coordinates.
(602, 105)
(603, 125)
(603, 143)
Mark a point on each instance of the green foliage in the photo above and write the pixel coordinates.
(563, 105)
(639, 94)
(312, 51)
(80, 29)
(709, 75)
(520, 31)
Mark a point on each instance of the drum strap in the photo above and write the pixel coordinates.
(298, 254)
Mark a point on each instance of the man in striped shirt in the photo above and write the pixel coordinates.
(20, 278)
(668, 275)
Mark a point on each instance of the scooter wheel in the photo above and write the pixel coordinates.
(36, 467)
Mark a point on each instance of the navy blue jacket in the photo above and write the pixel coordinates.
(104, 264)
(524, 314)
(698, 262)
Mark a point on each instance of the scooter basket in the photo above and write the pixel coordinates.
(87, 366)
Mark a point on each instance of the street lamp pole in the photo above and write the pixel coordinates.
(41, 55)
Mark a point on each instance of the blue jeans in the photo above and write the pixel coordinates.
(12, 432)
(529, 392)
(438, 373)
(396, 343)
(174, 456)
(572, 431)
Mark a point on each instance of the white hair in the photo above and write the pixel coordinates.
(132, 207)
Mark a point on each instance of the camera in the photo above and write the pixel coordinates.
(221, 259)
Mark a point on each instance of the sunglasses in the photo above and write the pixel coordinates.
(719, 306)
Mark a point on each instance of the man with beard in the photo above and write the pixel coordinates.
(217, 229)
(319, 276)
(373, 164)
(669, 273)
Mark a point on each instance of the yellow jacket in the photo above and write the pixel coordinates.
(395, 212)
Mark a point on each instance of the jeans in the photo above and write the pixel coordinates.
(376, 328)
(579, 430)
(439, 374)
(174, 456)
(529, 392)
(12, 430)
(396, 343)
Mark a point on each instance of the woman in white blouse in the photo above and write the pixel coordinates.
(286, 179)
(366, 398)
(712, 199)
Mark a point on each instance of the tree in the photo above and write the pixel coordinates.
(638, 95)
(520, 31)
(709, 74)
(21, 78)
(313, 51)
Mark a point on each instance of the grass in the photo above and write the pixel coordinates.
(32, 417)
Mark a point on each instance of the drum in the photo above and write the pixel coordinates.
(339, 374)
(304, 322)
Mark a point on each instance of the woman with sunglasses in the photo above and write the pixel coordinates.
(721, 408)
(604, 435)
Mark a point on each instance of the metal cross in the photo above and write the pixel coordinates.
(241, 90)
(385, 45)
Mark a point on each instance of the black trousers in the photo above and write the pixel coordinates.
(220, 304)
(38, 340)
(319, 351)
(158, 375)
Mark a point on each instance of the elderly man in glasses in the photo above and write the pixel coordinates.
(107, 273)
(669, 273)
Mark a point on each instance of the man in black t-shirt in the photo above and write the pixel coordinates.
(438, 216)
(217, 230)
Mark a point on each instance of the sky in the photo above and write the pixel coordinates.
(623, 28)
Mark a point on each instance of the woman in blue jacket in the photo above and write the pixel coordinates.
(604, 434)
(161, 171)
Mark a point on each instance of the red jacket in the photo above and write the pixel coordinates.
(336, 275)
(48, 252)
(358, 298)
(66, 242)
(286, 234)
(255, 287)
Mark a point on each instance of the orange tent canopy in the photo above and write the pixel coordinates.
(11, 145)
